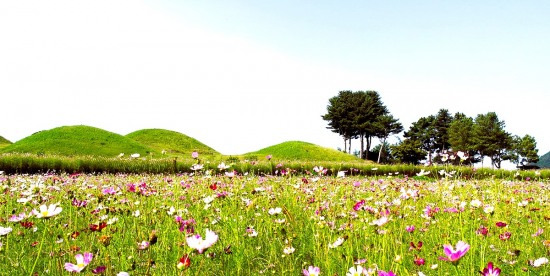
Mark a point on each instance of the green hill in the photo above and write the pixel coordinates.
(174, 143)
(4, 142)
(78, 140)
(297, 150)
(544, 161)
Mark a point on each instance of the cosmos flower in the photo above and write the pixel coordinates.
(410, 228)
(422, 173)
(453, 254)
(17, 218)
(490, 270)
(135, 155)
(195, 155)
(274, 211)
(311, 271)
(184, 262)
(540, 261)
(143, 245)
(81, 262)
(222, 166)
(288, 250)
(384, 273)
(356, 271)
(5, 230)
(381, 221)
(337, 243)
(197, 242)
(47, 211)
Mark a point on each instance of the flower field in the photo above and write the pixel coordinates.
(235, 224)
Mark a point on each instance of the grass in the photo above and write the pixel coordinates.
(297, 150)
(4, 142)
(174, 143)
(78, 141)
(315, 211)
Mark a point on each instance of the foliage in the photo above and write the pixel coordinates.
(544, 161)
(409, 151)
(362, 115)
(524, 150)
(490, 138)
(79, 140)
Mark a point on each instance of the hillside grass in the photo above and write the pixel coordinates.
(78, 141)
(544, 161)
(298, 150)
(174, 143)
(4, 142)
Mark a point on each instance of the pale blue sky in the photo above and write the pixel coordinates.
(242, 75)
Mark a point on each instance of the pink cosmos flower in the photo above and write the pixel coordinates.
(505, 236)
(143, 245)
(410, 228)
(454, 255)
(17, 218)
(195, 155)
(197, 242)
(81, 262)
(358, 205)
(501, 224)
(490, 270)
(109, 191)
(384, 273)
(311, 271)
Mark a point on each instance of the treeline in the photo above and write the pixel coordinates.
(438, 138)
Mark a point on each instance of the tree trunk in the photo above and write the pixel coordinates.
(345, 143)
(349, 146)
(362, 146)
(380, 151)
(368, 138)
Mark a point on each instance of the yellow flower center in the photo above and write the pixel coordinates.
(80, 265)
(45, 213)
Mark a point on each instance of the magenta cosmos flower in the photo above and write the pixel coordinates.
(490, 270)
(81, 262)
(453, 254)
(384, 273)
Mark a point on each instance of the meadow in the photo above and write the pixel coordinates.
(216, 220)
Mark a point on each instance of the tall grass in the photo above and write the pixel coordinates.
(29, 163)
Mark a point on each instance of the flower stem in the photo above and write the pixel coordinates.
(39, 250)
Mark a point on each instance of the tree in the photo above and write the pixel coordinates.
(441, 125)
(382, 153)
(490, 139)
(524, 150)
(385, 126)
(355, 115)
(340, 116)
(369, 111)
(408, 151)
(460, 136)
(424, 132)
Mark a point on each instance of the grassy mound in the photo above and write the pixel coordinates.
(4, 142)
(78, 140)
(174, 143)
(303, 151)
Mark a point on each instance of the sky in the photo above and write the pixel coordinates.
(243, 75)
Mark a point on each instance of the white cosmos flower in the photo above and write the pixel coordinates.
(135, 155)
(222, 166)
(381, 221)
(4, 230)
(341, 174)
(337, 243)
(475, 203)
(171, 211)
(197, 242)
(47, 211)
(288, 250)
(197, 167)
(274, 211)
(137, 213)
(540, 261)
(353, 271)
(422, 173)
